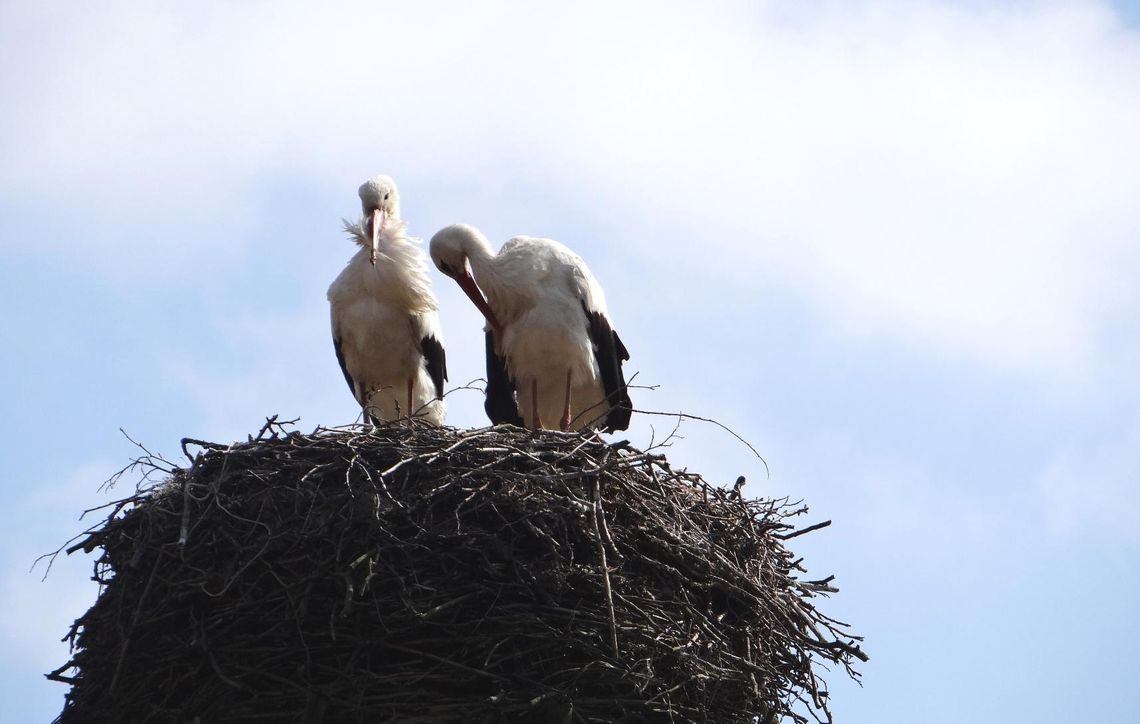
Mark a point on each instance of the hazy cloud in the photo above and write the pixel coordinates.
(957, 177)
(1091, 492)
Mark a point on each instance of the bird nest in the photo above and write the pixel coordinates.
(414, 574)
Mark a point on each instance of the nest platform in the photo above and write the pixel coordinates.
(419, 575)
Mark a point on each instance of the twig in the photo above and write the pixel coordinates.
(597, 513)
(721, 425)
(801, 531)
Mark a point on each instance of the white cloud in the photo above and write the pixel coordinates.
(38, 613)
(960, 177)
(38, 610)
(1090, 491)
(284, 357)
(890, 508)
(288, 367)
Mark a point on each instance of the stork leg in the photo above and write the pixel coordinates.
(369, 420)
(534, 404)
(564, 423)
(411, 383)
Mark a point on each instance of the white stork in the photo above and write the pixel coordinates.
(549, 338)
(384, 324)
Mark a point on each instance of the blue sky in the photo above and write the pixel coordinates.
(892, 244)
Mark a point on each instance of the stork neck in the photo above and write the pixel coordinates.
(480, 256)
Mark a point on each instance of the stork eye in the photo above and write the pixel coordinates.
(386, 196)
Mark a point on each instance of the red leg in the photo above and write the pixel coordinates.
(534, 403)
(564, 423)
(411, 383)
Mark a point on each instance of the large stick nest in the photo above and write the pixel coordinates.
(414, 574)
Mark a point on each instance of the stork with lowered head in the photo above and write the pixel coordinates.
(553, 358)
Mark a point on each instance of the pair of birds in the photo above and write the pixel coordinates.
(553, 358)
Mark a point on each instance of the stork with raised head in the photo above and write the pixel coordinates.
(549, 338)
(384, 323)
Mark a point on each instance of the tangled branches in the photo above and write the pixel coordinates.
(413, 574)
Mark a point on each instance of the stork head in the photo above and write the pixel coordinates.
(380, 202)
(450, 248)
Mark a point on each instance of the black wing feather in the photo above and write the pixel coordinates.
(622, 352)
(348, 378)
(343, 367)
(610, 352)
(436, 360)
(500, 404)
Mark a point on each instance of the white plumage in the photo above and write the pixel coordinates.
(384, 322)
(552, 355)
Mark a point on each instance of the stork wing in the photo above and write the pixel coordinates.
(622, 352)
(500, 404)
(436, 360)
(425, 327)
(343, 367)
(348, 378)
(609, 353)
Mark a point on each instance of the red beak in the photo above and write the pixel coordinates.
(378, 219)
(468, 285)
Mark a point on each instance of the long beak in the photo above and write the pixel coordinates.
(468, 285)
(378, 219)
